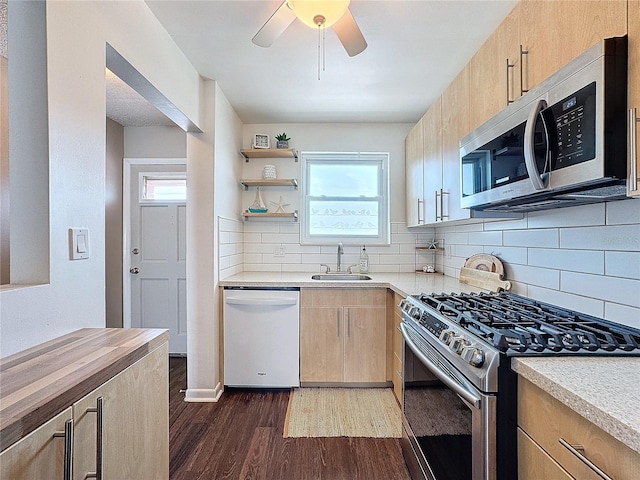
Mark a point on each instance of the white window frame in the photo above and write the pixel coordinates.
(380, 158)
(143, 176)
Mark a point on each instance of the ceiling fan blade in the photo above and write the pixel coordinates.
(349, 34)
(273, 28)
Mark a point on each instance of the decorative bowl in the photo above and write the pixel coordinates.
(258, 210)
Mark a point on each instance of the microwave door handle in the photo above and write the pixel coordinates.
(529, 152)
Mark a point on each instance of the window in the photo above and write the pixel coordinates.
(345, 198)
(163, 187)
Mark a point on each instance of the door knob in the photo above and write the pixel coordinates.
(134, 270)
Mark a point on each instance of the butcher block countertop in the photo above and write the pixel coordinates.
(38, 383)
(604, 390)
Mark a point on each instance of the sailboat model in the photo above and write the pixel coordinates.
(258, 205)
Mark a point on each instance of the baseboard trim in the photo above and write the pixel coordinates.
(203, 394)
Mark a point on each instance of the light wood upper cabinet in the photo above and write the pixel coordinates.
(432, 161)
(414, 154)
(554, 33)
(455, 125)
(38, 455)
(491, 82)
(343, 335)
(634, 91)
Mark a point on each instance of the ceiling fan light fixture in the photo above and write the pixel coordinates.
(308, 11)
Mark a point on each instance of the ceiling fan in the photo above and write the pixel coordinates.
(317, 14)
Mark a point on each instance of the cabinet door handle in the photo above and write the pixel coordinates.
(633, 150)
(339, 310)
(99, 438)
(348, 322)
(68, 448)
(523, 52)
(420, 202)
(509, 66)
(441, 195)
(577, 451)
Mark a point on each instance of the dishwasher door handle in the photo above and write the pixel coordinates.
(260, 301)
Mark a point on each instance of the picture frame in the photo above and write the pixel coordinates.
(260, 140)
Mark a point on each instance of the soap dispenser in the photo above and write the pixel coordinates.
(364, 261)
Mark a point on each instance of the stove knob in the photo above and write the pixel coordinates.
(474, 356)
(457, 344)
(415, 313)
(446, 336)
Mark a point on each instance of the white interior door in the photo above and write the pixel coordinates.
(157, 250)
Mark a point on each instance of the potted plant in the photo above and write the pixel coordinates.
(282, 140)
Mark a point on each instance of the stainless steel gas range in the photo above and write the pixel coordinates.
(459, 402)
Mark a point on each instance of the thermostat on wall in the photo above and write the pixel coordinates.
(79, 243)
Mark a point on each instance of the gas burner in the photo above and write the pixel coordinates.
(518, 325)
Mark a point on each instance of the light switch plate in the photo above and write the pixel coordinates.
(78, 243)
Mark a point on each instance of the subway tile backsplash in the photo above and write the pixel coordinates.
(586, 258)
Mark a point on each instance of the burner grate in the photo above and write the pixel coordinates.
(517, 324)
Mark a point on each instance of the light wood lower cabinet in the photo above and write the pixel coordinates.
(397, 349)
(343, 336)
(134, 433)
(554, 428)
(135, 423)
(534, 462)
(38, 455)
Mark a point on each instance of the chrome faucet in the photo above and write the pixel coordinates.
(340, 252)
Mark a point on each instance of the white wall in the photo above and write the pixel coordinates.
(338, 137)
(213, 168)
(155, 142)
(77, 33)
(261, 238)
(113, 224)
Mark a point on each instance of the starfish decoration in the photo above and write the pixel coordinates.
(279, 205)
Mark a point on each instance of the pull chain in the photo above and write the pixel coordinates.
(319, 51)
(320, 21)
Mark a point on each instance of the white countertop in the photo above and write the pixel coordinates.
(402, 283)
(610, 398)
(604, 390)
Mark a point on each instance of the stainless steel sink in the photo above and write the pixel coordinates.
(338, 276)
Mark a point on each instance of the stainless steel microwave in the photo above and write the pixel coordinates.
(561, 144)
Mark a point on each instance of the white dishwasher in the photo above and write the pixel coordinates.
(261, 337)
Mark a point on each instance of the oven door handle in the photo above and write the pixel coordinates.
(470, 397)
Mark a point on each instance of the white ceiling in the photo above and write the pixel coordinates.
(416, 47)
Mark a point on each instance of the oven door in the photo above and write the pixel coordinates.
(449, 427)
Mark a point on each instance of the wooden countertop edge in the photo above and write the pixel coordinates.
(18, 419)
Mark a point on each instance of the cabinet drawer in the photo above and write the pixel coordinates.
(547, 420)
(534, 463)
(326, 297)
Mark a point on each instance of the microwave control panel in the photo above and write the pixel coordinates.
(575, 120)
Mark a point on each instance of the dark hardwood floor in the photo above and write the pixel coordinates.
(240, 437)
